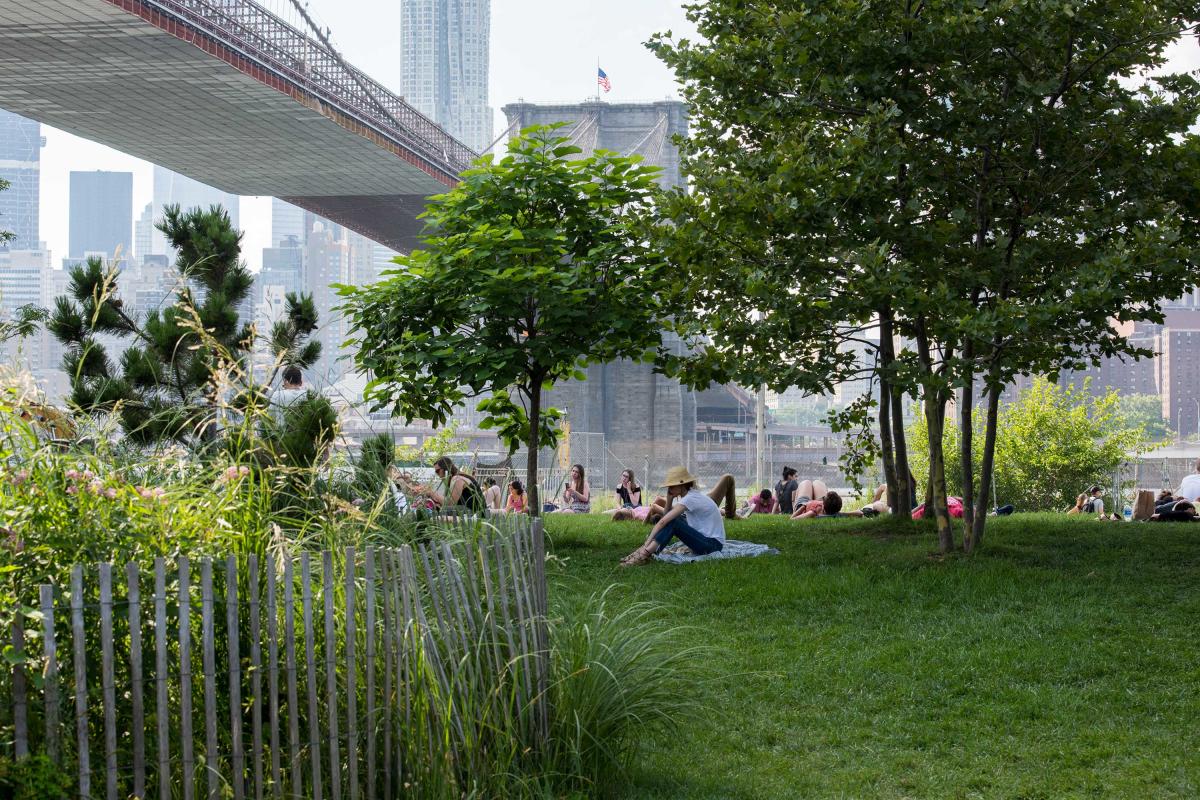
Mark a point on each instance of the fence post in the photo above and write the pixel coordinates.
(331, 702)
(81, 721)
(233, 644)
(138, 722)
(351, 570)
(369, 589)
(162, 712)
(208, 646)
(108, 682)
(185, 679)
(273, 679)
(50, 652)
(295, 772)
(310, 664)
(20, 695)
(256, 754)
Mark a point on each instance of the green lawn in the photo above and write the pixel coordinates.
(1062, 661)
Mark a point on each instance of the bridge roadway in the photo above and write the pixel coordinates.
(227, 93)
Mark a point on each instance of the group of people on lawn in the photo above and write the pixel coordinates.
(697, 518)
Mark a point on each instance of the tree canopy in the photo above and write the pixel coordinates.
(975, 189)
(532, 267)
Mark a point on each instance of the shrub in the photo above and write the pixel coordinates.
(1051, 444)
(33, 778)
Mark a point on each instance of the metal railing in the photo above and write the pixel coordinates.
(257, 33)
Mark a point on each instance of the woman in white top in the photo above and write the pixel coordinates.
(691, 516)
(493, 495)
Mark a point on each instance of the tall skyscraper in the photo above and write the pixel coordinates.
(288, 221)
(20, 164)
(444, 65)
(171, 188)
(101, 213)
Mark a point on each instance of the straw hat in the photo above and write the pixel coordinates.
(677, 476)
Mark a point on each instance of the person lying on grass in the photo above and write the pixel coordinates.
(829, 505)
(691, 516)
(1178, 511)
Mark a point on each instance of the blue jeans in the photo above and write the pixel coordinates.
(697, 542)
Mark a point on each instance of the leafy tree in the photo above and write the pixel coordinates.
(981, 181)
(1144, 411)
(166, 383)
(532, 267)
(1052, 443)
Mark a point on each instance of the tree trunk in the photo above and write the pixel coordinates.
(892, 402)
(885, 443)
(934, 402)
(904, 476)
(966, 431)
(973, 535)
(935, 421)
(882, 364)
(531, 464)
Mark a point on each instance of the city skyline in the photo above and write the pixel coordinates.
(525, 37)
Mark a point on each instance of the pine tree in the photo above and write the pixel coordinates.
(166, 383)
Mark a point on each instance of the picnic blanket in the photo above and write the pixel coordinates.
(679, 554)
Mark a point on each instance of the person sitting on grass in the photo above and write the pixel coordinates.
(829, 505)
(576, 493)
(692, 517)
(1189, 487)
(1090, 502)
(491, 493)
(459, 492)
(1179, 511)
(516, 498)
(629, 494)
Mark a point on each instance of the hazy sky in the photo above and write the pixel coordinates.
(541, 50)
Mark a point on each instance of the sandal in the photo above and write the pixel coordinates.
(642, 555)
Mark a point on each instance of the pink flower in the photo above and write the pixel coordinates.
(95, 487)
(88, 475)
(72, 489)
(20, 476)
(72, 474)
(243, 471)
(110, 493)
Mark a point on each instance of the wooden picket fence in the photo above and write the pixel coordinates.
(331, 675)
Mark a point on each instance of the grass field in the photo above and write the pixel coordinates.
(1061, 661)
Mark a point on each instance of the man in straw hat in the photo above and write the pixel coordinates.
(692, 517)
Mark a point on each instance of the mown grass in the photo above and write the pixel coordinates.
(1061, 661)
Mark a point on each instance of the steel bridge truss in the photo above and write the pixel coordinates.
(258, 34)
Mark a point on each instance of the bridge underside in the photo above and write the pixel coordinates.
(152, 88)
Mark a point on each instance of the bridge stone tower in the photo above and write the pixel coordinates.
(648, 420)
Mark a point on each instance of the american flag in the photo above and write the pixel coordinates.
(603, 80)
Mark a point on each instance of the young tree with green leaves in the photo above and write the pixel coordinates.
(166, 383)
(984, 182)
(531, 268)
